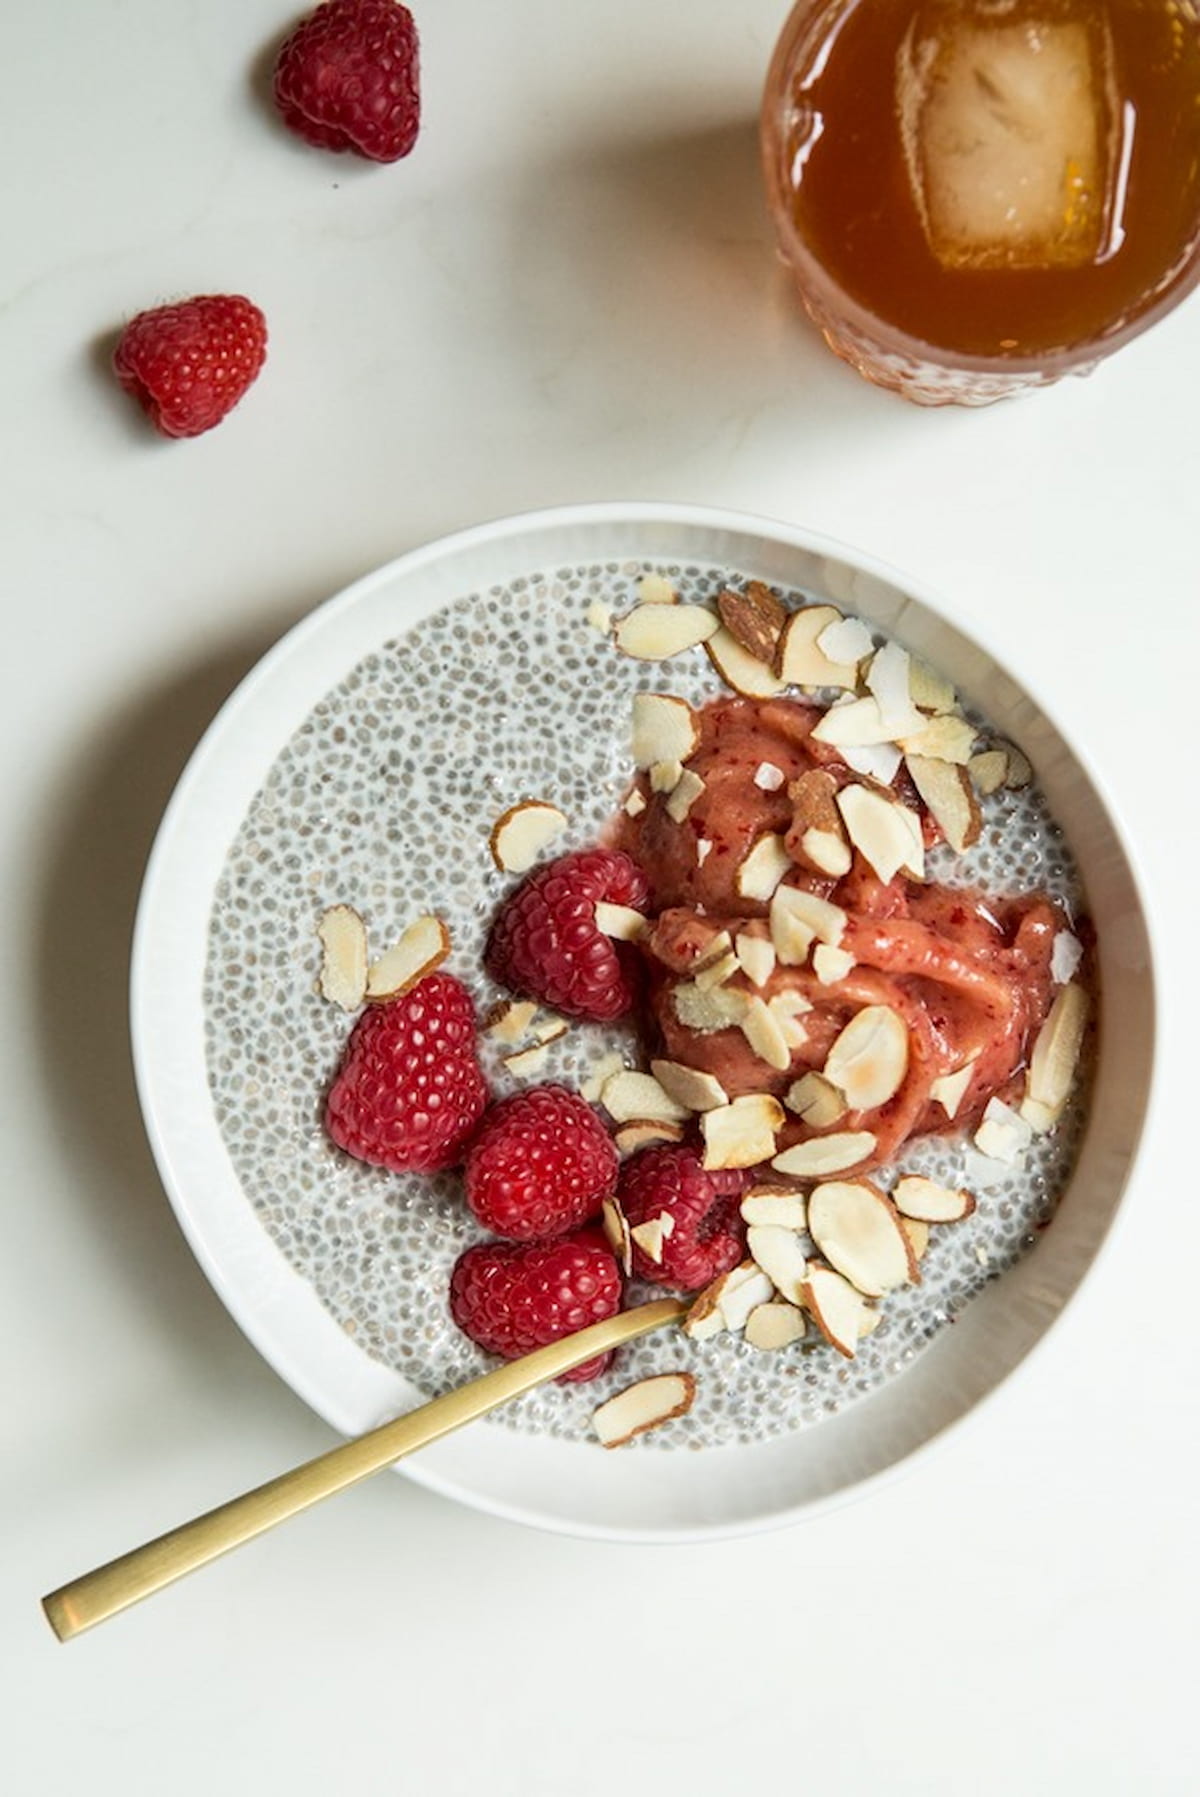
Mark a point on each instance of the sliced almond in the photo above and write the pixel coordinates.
(511, 1019)
(762, 868)
(780, 1207)
(1039, 1117)
(718, 945)
(1066, 954)
(949, 1089)
(656, 632)
(664, 729)
(650, 1235)
(928, 1202)
(727, 1301)
(1018, 772)
(827, 852)
(521, 833)
(743, 672)
(946, 789)
(635, 803)
(343, 935)
(858, 724)
(797, 919)
(988, 770)
(869, 1321)
(688, 1086)
(820, 1155)
(859, 1232)
(869, 1059)
(423, 946)
(656, 589)
(787, 1008)
(645, 1132)
(599, 617)
(817, 837)
(799, 658)
(755, 956)
(1003, 1134)
(780, 1254)
(527, 1061)
(945, 738)
(774, 1325)
(646, 1405)
(1056, 1052)
(755, 617)
(550, 1027)
(832, 964)
(621, 922)
(616, 1233)
(886, 833)
(637, 1097)
(683, 796)
(599, 1077)
(665, 776)
(742, 1132)
(715, 973)
(847, 641)
(707, 1010)
(887, 681)
(816, 1100)
(761, 1029)
(840, 1311)
(917, 1231)
(929, 690)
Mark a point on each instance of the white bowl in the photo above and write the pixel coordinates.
(553, 1483)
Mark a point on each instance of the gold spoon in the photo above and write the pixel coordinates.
(124, 1581)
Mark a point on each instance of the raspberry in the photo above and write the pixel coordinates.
(546, 943)
(188, 364)
(708, 1236)
(409, 1091)
(541, 1163)
(513, 1297)
(347, 79)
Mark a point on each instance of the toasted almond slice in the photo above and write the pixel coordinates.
(756, 957)
(799, 658)
(787, 1008)
(886, 833)
(949, 1089)
(747, 675)
(762, 1031)
(1039, 1117)
(664, 729)
(665, 776)
(869, 1321)
(650, 1235)
(774, 1325)
(715, 973)
(1003, 1135)
(859, 1232)
(781, 1256)
(599, 1077)
(988, 770)
(688, 1086)
(763, 867)
(527, 1061)
(1018, 773)
(656, 632)
(646, 1405)
(929, 690)
(635, 803)
(616, 1233)
(754, 617)
(645, 1132)
(706, 1010)
(630, 1097)
(782, 1207)
(820, 1155)
(869, 1059)
(947, 791)
(832, 964)
(827, 851)
(797, 919)
(817, 837)
(704, 1318)
(599, 617)
(1066, 953)
(684, 793)
(511, 1019)
(621, 922)
(944, 738)
(343, 978)
(768, 777)
(656, 589)
(719, 944)
(727, 1301)
(423, 946)
(1056, 1052)
(887, 681)
(521, 833)
(846, 640)
(550, 1027)
(917, 1231)
(856, 725)
(742, 1132)
(840, 1312)
(817, 1100)
(879, 762)
(927, 1202)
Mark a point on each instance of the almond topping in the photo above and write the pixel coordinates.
(705, 1011)
(646, 1405)
(847, 641)
(946, 789)
(616, 1233)
(886, 833)
(781, 1256)
(1056, 1052)
(743, 672)
(651, 1235)
(763, 868)
(630, 1097)
(827, 851)
(798, 918)
(645, 1132)
(635, 804)
(817, 1101)
(929, 690)
(521, 833)
(768, 777)
(787, 1008)
(527, 1061)
(781, 1207)
(741, 1133)
(858, 724)
(511, 1019)
(1018, 772)
(761, 1029)
(621, 922)
(664, 729)
(599, 1077)
(656, 632)
(423, 946)
(1003, 1135)
(887, 681)
(929, 1202)
(550, 1027)
(869, 1059)
(941, 739)
(832, 964)
(343, 935)
(917, 1231)
(874, 761)
(756, 957)
(817, 838)
(835, 1153)
(715, 973)
(799, 658)
(949, 1089)
(695, 1090)
(665, 776)
(840, 1312)
(754, 618)
(728, 1301)
(988, 770)
(656, 589)
(774, 1325)
(859, 1232)
(1066, 953)
(684, 793)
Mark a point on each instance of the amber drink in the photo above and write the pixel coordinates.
(979, 196)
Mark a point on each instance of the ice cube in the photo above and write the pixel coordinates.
(1009, 130)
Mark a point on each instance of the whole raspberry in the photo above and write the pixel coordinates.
(541, 1162)
(547, 944)
(347, 79)
(188, 364)
(708, 1235)
(513, 1297)
(409, 1091)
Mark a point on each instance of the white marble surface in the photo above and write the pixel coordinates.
(567, 293)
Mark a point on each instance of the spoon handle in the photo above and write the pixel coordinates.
(124, 1581)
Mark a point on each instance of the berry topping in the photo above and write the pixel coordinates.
(187, 365)
(706, 1236)
(541, 1163)
(511, 1298)
(347, 79)
(409, 1091)
(547, 943)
